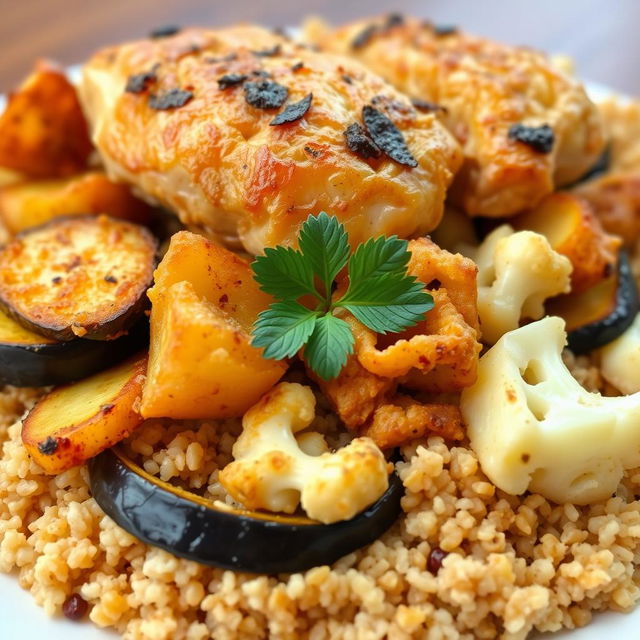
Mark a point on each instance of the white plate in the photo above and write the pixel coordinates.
(20, 619)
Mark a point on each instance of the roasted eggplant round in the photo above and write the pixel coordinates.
(31, 360)
(215, 534)
(82, 276)
(600, 314)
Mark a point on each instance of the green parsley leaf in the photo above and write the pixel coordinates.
(284, 273)
(283, 328)
(392, 306)
(325, 244)
(329, 346)
(377, 257)
(380, 294)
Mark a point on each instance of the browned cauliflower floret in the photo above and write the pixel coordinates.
(275, 469)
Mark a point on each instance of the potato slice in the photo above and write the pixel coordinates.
(201, 362)
(573, 230)
(76, 422)
(43, 132)
(29, 204)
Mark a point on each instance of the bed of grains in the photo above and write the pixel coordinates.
(513, 564)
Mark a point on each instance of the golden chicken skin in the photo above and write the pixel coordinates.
(524, 126)
(245, 134)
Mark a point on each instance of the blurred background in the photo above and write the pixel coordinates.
(601, 36)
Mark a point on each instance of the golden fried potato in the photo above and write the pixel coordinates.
(28, 204)
(569, 224)
(201, 362)
(481, 90)
(43, 132)
(405, 419)
(76, 422)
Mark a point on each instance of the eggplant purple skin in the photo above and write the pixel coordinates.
(230, 540)
(41, 365)
(596, 334)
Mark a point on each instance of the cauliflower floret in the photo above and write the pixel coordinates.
(620, 363)
(517, 272)
(534, 427)
(275, 471)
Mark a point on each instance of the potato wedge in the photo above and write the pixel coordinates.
(574, 231)
(201, 362)
(43, 132)
(29, 204)
(76, 422)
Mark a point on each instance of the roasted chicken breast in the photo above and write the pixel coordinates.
(245, 133)
(496, 100)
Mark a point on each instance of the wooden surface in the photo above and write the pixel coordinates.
(602, 36)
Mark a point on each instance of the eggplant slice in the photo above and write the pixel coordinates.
(212, 533)
(602, 313)
(31, 360)
(81, 276)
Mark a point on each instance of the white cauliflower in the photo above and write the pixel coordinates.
(620, 360)
(534, 427)
(275, 470)
(517, 272)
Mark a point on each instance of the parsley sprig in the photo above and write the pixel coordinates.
(380, 294)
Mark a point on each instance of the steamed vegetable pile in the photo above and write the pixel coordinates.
(128, 322)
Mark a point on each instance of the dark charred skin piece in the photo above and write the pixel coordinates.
(265, 94)
(260, 73)
(293, 111)
(231, 80)
(347, 79)
(268, 53)
(111, 279)
(394, 20)
(387, 136)
(48, 446)
(171, 99)
(359, 141)
(315, 153)
(540, 138)
(364, 37)
(444, 29)
(165, 31)
(427, 106)
(140, 82)
(297, 66)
